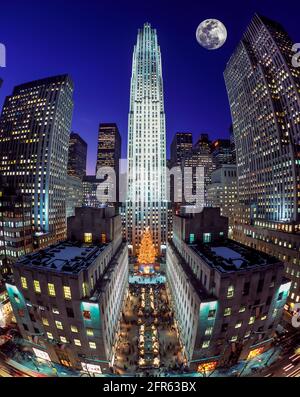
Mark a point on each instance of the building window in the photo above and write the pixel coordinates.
(55, 310)
(251, 320)
(227, 311)
(84, 293)
(234, 338)
(206, 237)
(45, 321)
(92, 345)
(70, 312)
(242, 309)
(238, 325)
(74, 328)
(247, 334)
(192, 238)
(58, 325)
(205, 344)
(37, 287)
(208, 331)
(230, 291)
(24, 282)
(49, 335)
(280, 296)
(77, 342)
(63, 339)
(88, 237)
(67, 292)
(103, 238)
(89, 332)
(86, 314)
(51, 289)
(211, 314)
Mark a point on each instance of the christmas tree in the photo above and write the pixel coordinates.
(147, 251)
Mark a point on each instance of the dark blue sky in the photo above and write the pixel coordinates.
(92, 40)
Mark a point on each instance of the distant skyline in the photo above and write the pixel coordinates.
(93, 42)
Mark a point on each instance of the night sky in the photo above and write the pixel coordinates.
(93, 42)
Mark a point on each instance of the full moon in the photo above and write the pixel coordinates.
(211, 34)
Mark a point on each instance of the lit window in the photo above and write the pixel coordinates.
(88, 237)
(205, 344)
(67, 292)
(234, 338)
(238, 325)
(192, 238)
(63, 339)
(263, 317)
(45, 321)
(51, 289)
(58, 325)
(37, 287)
(77, 342)
(89, 332)
(24, 282)
(206, 237)
(74, 328)
(251, 320)
(208, 331)
(247, 334)
(49, 335)
(92, 345)
(84, 293)
(55, 310)
(227, 311)
(86, 314)
(242, 309)
(103, 238)
(230, 291)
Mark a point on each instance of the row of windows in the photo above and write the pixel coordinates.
(77, 342)
(51, 288)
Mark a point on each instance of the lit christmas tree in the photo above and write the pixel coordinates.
(147, 251)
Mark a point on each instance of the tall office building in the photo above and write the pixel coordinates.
(109, 146)
(34, 137)
(15, 226)
(181, 145)
(203, 145)
(109, 152)
(264, 95)
(222, 152)
(146, 195)
(198, 157)
(222, 192)
(77, 156)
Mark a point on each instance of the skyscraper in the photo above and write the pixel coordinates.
(181, 145)
(34, 137)
(222, 152)
(77, 156)
(146, 195)
(264, 95)
(109, 151)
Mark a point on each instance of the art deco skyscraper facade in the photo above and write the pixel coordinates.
(146, 195)
(34, 136)
(264, 95)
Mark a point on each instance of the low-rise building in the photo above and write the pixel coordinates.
(67, 300)
(227, 298)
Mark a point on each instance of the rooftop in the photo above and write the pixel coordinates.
(65, 257)
(230, 256)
